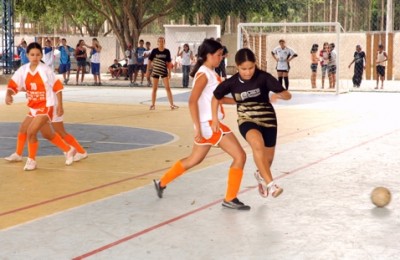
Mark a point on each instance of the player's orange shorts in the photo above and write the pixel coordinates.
(47, 111)
(210, 137)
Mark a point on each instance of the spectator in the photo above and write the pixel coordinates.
(221, 69)
(314, 65)
(95, 60)
(146, 55)
(115, 69)
(359, 66)
(186, 59)
(80, 56)
(48, 54)
(324, 57)
(65, 60)
(381, 59)
(131, 56)
(140, 62)
(21, 49)
(332, 66)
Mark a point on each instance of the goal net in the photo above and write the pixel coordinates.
(263, 38)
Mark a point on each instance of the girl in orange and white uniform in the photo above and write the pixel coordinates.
(42, 88)
(205, 82)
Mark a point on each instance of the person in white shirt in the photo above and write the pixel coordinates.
(186, 60)
(48, 54)
(283, 55)
(381, 58)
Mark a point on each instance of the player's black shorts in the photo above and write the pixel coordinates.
(269, 134)
(314, 67)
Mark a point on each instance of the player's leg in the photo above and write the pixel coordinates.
(231, 146)
(285, 76)
(81, 153)
(154, 92)
(197, 155)
(169, 92)
(21, 140)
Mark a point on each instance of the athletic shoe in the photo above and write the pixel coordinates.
(274, 189)
(14, 158)
(235, 204)
(30, 165)
(159, 189)
(80, 156)
(70, 156)
(262, 187)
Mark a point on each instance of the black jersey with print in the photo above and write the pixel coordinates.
(160, 59)
(252, 97)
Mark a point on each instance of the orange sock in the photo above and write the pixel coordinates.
(21, 139)
(70, 139)
(175, 171)
(60, 143)
(32, 150)
(234, 180)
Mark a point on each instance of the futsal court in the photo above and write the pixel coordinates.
(332, 151)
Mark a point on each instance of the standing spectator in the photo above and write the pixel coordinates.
(324, 56)
(65, 60)
(314, 65)
(221, 69)
(332, 66)
(115, 69)
(95, 60)
(140, 62)
(131, 56)
(80, 55)
(186, 60)
(160, 61)
(48, 54)
(21, 49)
(283, 55)
(146, 55)
(381, 59)
(359, 66)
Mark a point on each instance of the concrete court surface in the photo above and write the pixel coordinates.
(332, 151)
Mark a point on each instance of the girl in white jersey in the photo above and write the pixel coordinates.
(205, 82)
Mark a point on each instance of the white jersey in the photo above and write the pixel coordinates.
(95, 58)
(204, 102)
(283, 55)
(332, 58)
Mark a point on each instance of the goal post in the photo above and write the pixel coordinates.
(262, 38)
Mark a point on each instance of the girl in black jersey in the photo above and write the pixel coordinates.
(257, 121)
(160, 64)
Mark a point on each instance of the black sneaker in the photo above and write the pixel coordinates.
(235, 204)
(159, 189)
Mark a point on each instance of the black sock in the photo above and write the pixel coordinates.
(280, 79)
(286, 82)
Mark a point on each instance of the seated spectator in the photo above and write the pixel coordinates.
(115, 69)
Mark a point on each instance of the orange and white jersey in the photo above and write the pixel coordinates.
(204, 102)
(41, 85)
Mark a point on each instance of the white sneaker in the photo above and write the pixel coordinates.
(80, 156)
(14, 158)
(262, 187)
(30, 165)
(70, 156)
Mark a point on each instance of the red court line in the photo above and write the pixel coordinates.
(123, 180)
(147, 230)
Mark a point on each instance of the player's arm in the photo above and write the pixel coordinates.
(60, 107)
(9, 96)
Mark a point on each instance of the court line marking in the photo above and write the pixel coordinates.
(167, 222)
(128, 179)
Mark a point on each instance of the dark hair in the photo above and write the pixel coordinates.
(332, 45)
(34, 45)
(207, 47)
(314, 48)
(79, 43)
(244, 55)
